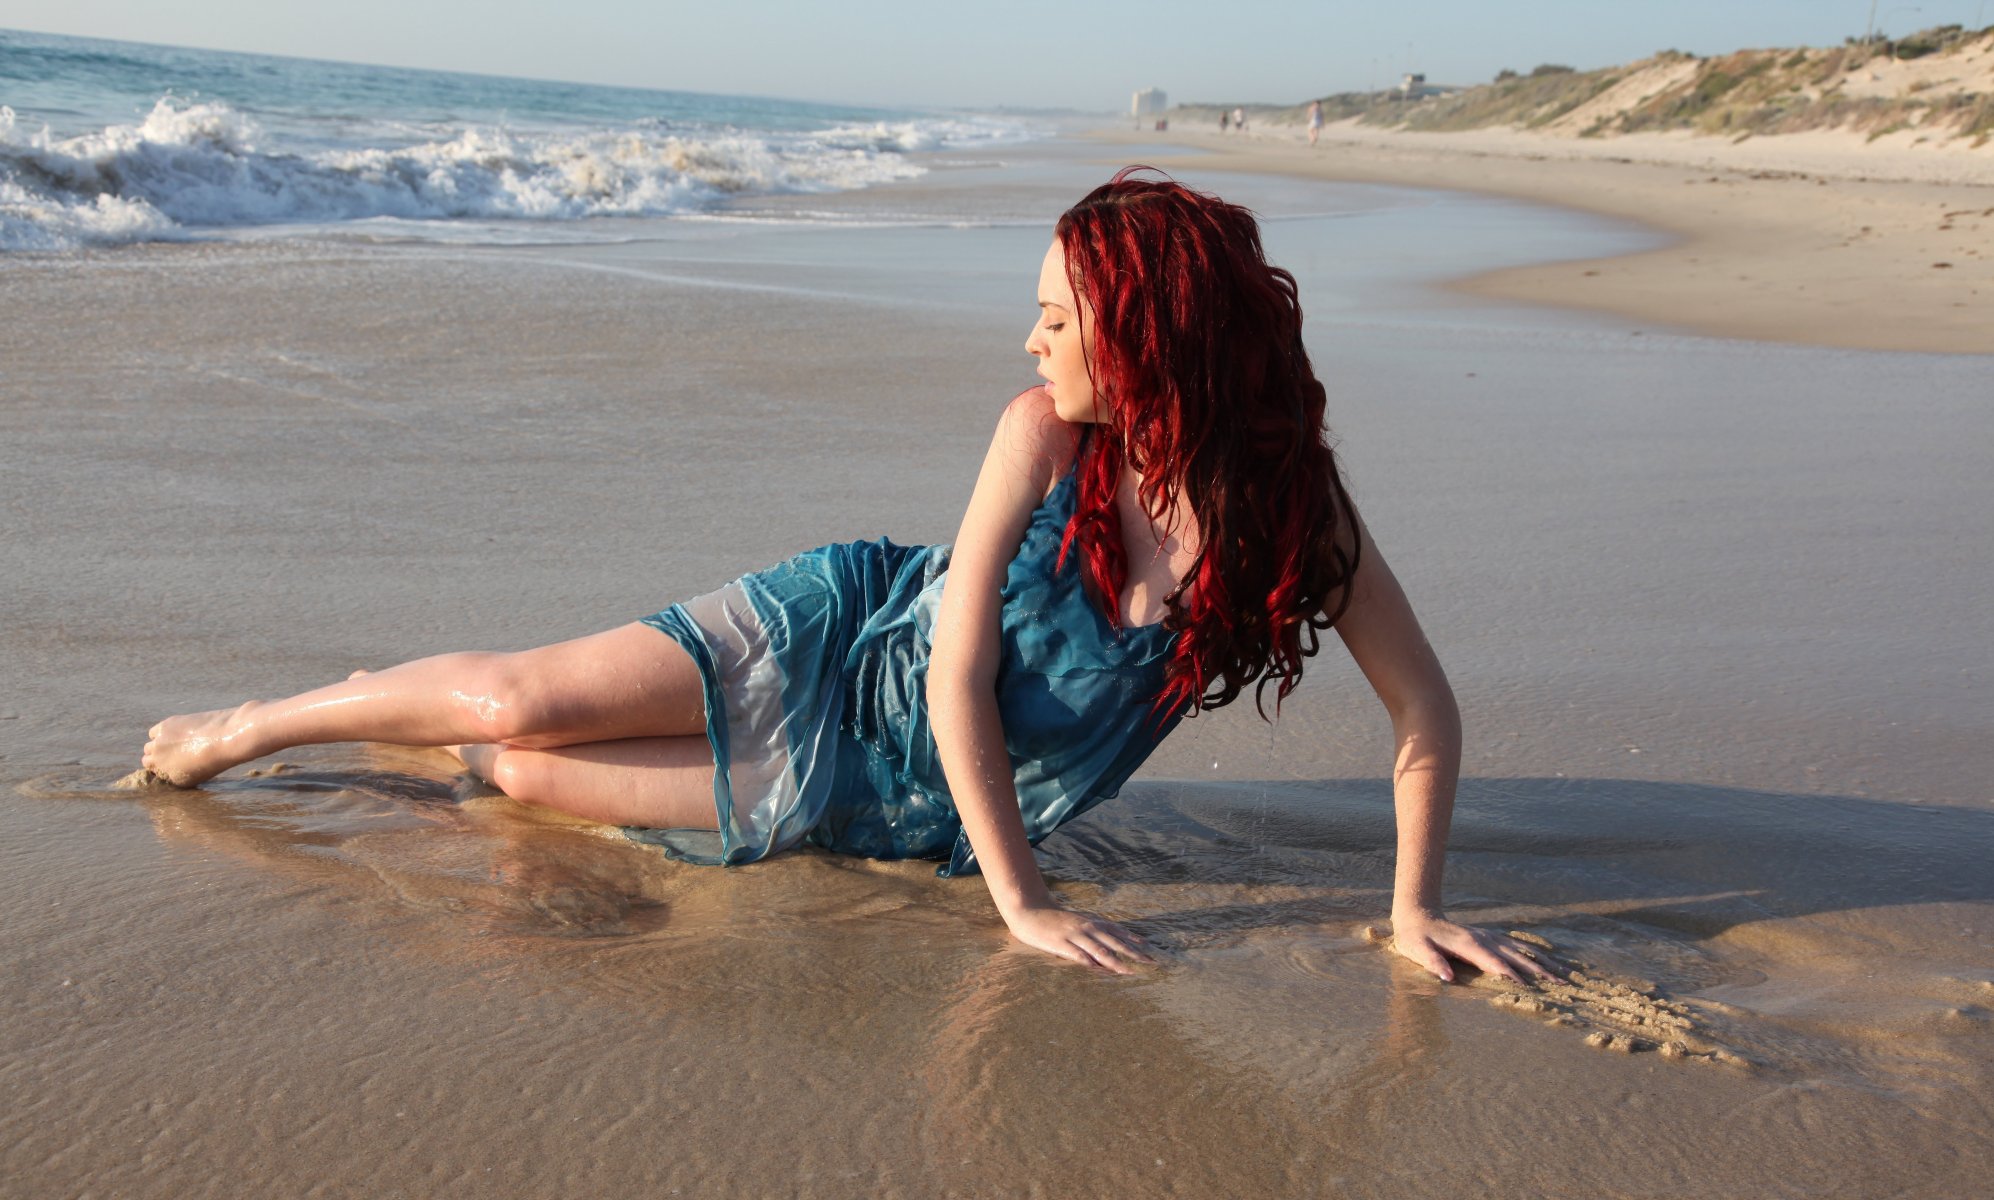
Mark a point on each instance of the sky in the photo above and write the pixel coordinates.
(1083, 54)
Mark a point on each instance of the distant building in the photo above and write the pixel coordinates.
(1149, 102)
(1413, 86)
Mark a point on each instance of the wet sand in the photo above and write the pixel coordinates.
(1712, 609)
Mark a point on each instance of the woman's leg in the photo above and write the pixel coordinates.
(631, 682)
(658, 783)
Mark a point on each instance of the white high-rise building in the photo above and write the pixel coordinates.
(1149, 102)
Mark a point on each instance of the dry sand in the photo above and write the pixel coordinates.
(1824, 239)
(1713, 611)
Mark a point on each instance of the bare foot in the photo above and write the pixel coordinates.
(188, 750)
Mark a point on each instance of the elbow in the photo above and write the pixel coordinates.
(1427, 731)
(954, 682)
(1430, 706)
(946, 698)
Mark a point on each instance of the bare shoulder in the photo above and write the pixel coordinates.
(1029, 449)
(1033, 441)
(1031, 445)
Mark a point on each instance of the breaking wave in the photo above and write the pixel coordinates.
(191, 168)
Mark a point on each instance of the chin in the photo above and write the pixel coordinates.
(1074, 414)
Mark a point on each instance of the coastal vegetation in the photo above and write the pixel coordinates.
(1937, 83)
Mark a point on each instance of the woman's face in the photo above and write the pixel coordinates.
(1062, 342)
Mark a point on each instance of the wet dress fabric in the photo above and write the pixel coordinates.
(815, 675)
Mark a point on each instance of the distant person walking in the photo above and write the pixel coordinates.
(1225, 120)
(1315, 120)
(1239, 119)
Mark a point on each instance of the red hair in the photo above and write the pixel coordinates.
(1207, 391)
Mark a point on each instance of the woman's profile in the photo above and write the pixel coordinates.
(1158, 529)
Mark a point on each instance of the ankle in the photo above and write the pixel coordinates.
(247, 736)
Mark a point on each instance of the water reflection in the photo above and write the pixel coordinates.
(1693, 910)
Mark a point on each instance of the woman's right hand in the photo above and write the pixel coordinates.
(1083, 938)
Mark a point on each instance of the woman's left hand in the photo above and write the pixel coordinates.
(1432, 940)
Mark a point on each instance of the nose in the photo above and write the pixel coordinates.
(1035, 341)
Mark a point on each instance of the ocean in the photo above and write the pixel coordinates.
(108, 142)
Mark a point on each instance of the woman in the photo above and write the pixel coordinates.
(1157, 526)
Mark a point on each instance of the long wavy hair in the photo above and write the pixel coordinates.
(1207, 391)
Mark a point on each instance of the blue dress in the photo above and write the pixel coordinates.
(815, 675)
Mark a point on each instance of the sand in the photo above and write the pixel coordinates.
(1712, 608)
(1823, 239)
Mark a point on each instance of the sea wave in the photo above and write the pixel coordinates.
(191, 168)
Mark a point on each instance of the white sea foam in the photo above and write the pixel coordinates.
(191, 167)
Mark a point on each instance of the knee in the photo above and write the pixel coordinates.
(505, 703)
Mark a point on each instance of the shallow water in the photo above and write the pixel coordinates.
(1710, 608)
(1726, 1011)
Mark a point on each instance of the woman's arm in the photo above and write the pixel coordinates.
(1384, 636)
(1030, 447)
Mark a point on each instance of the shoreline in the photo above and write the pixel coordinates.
(1770, 243)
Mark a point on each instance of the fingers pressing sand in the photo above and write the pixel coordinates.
(1628, 1016)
